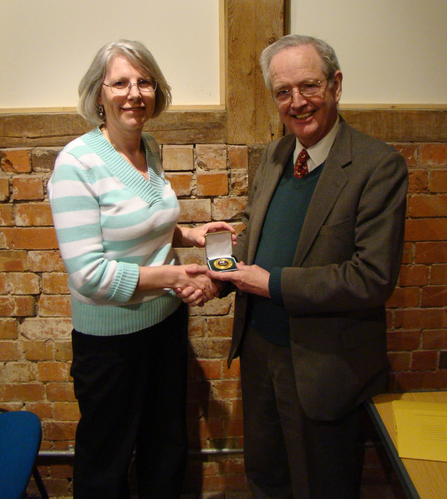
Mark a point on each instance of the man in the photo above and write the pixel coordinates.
(320, 256)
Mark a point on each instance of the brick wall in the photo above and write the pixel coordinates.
(211, 181)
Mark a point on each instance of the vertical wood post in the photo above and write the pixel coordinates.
(251, 26)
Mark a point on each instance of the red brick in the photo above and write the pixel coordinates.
(38, 350)
(227, 389)
(232, 482)
(20, 372)
(207, 369)
(399, 361)
(181, 183)
(63, 351)
(436, 339)
(434, 296)
(403, 340)
(46, 328)
(229, 208)
(24, 283)
(43, 159)
(413, 275)
(45, 261)
(13, 261)
(16, 160)
(219, 326)
(404, 297)
(21, 392)
(66, 411)
(177, 157)
(212, 183)
(42, 409)
(195, 210)
(53, 371)
(59, 430)
(421, 318)
(4, 284)
(211, 157)
(33, 214)
(55, 283)
(438, 181)
(27, 188)
(218, 409)
(28, 238)
(409, 152)
(419, 380)
(424, 361)
(196, 327)
(54, 306)
(438, 274)
(211, 428)
(433, 154)
(235, 428)
(8, 329)
(6, 215)
(430, 252)
(408, 254)
(17, 306)
(236, 411)
(234, 371)
(428, 206)
(238, 183)
(426, 230)
(9, 351)
(238, 157)
(216, 348)
(417, 181)
(4, 189)
(61, 392)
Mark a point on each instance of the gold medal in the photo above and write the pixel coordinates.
(223, 263)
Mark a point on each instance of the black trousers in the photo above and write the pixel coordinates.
(131, 391)
(288, 455)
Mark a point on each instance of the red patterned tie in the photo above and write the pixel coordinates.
(301, 164)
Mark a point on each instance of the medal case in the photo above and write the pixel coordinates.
(219, 251)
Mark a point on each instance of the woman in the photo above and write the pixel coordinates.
(116, 217)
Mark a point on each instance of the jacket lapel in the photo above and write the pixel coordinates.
(332, 181)
(265, 192)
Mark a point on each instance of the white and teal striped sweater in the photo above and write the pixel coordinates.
(109, 221)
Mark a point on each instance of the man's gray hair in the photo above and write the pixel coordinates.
(326, 52)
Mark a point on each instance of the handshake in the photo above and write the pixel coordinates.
(198, 284)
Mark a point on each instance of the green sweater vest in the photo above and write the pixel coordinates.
(279, 239)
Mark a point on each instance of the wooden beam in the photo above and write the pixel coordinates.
(54, 129)
(251, 26)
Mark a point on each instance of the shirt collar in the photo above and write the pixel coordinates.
(319, 151)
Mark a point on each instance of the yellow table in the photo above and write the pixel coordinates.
(420, 479)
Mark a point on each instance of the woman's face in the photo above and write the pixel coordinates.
(130, 111)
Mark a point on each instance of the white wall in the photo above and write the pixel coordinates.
(46, 46)
(390, 51)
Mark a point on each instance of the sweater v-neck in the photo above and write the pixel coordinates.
(149, 190)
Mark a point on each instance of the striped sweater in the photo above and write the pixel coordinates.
(109, 221)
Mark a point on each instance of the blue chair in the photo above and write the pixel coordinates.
(20, 436)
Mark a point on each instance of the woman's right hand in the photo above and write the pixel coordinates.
(199, 289)
(190, 282)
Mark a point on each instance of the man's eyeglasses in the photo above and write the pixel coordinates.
(123, 87)
(307, 89)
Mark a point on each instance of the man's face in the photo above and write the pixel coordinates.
(311, 118)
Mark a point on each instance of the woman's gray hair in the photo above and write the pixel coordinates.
(326, 52)
(91, 84)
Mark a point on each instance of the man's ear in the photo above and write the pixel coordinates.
(338, 78)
